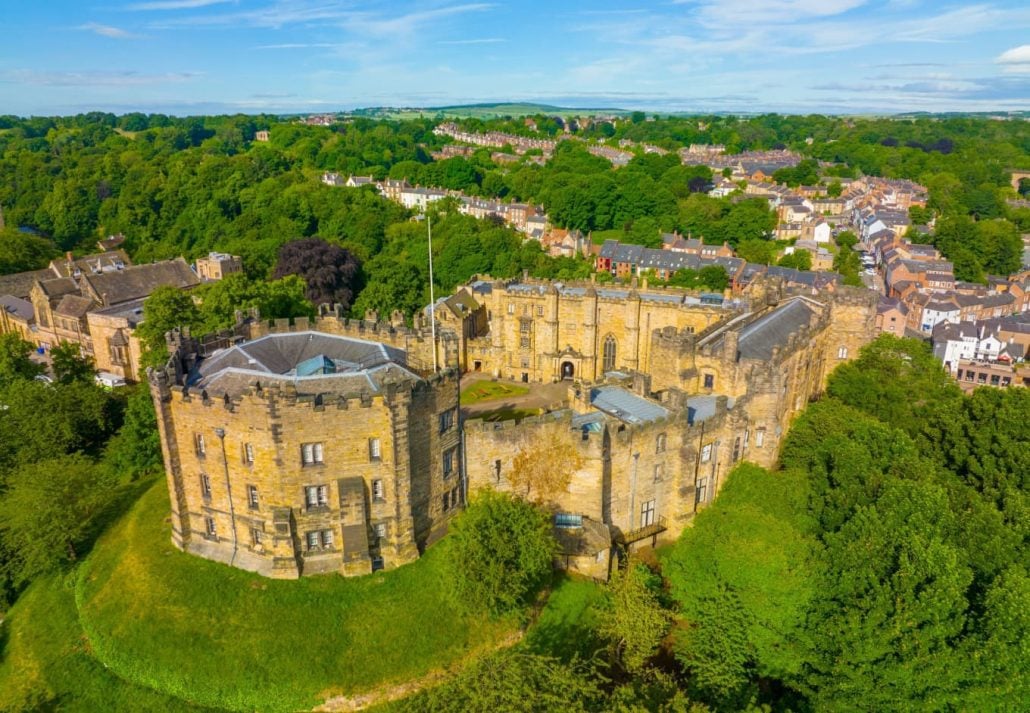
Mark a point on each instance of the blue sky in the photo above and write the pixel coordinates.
(205, 56)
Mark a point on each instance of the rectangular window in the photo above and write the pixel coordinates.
(647, 513)
(709, 381)
(524, 343)
(760, 437)
(511, 308)
(659, 472)
(446, 420)
(706, 453)
(248, 453)
(313, 540)
(375, 450)
(446, 501)
(311, 453)
(212, 531)
(380, 530)
(198, 443)
(205, 485)
(256, 536)
(316, 496)
(327, 539)
(525, 327)
(252, 496)
(702, 490)
(659, 445)
(448, 462)
(736, 450)
(378, 493)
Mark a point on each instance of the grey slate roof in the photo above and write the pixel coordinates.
(756, 340)
(625, 405)
(140, 280)
(700, 408)
(18, 307)
(360, 365)
(20, 283)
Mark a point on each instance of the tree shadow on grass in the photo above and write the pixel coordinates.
(122, 500)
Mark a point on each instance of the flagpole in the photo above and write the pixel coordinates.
(432, 297)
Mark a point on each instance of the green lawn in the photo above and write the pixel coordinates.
(490, 391)
(508, 414)
(222, 637)
(45, 661)
(567, 623)
(599, 236)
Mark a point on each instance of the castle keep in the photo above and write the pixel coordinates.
(304, 452)
(296, 448)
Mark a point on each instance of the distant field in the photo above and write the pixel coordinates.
(207, 633)
(484, 111)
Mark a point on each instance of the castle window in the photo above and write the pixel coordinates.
(446, 420)
(609, 353)
(378, 493)
(248, 453)
(659, 443)
(497, 470)
(659, 472)
(198, 445)
(709, 381)
(706, 453)
(736, 450)
(252, 496)
(316, 496)
(524, 342)
(256, 536)
(647, 513)
(375, 451)
(380, 530)
(327, 539)
(446, 501)
(205, 485)
(842, 353)
(311, 453)
(448, 461)
(525, 326)
(212, 530)
(511, 308)
(540, 311)
(702, 490)
(747, 437)
(313, 540)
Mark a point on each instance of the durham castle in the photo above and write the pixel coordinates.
(339, 445)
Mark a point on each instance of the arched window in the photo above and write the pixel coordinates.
(842, 353)
(609, 353)
(659, 445)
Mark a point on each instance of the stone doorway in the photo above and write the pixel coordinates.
(568, 370)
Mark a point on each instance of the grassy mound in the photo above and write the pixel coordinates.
(46, 663)
(204, 632)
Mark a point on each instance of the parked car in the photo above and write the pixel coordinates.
(109, 380)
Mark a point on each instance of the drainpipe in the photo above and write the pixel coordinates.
(220, 432)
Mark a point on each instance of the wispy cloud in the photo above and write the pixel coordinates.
(481, 41)
(176, 4)
(114, 33)
(299, 46)
(99, 78)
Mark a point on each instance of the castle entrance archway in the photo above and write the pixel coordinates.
(568, 370)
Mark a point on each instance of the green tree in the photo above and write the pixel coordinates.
(20, 252)
(500, 552)
(136, 449)
(513, 681)
(799, 260)
(835, 189)
(166, 309)
(14, 359)
(69, 364)
(894, 601)
(48, 509)
(632, 618)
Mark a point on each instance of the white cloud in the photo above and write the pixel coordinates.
(482, 41)
(175, 4)
(87, 78)
(1015, 60)
(114, 33)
